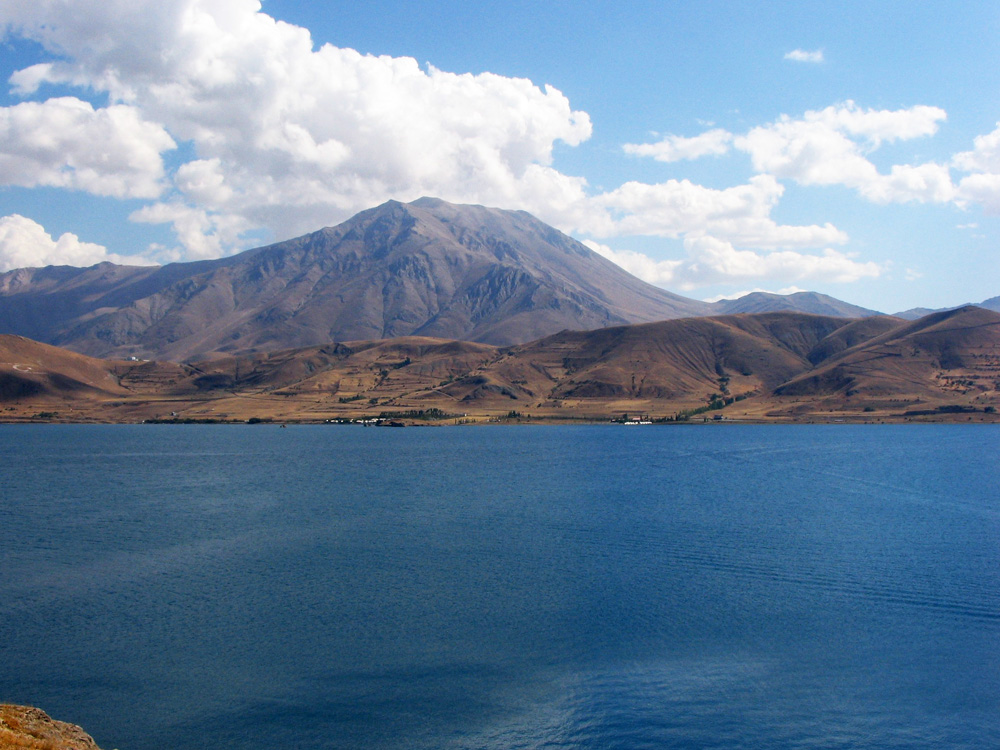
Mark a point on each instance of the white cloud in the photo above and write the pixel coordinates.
(638, 264)
(827, 147)
(985, 155)
(983, 185)
(878, 125)
(25, 244)
(713, 261)
(65, 142)
(677, 148)
(925, 183)
(291, 137)
(801, 55)
(203, 234)
(830, 146)
(680, 208)
(983, 189)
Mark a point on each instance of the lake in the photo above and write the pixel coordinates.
(718, 586)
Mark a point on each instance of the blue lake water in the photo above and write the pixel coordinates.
(183, 587)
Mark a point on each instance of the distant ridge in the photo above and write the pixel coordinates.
(806, 302)
(993, 303)
(426, 268)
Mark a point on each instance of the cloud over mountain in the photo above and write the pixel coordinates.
(25, 243)
(231, 127)
(288, 137)
(64, 142)
(830, 147)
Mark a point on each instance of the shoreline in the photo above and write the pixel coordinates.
(487, 421)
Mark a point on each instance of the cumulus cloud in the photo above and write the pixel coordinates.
(983, 161)
(801, 55)
(985, 155)
(203, 234)
(740, 214)
(277, 123)
(983, 189)
(828, 147)
(924, 183)
(25, 244)
(638, 264)
(288, 136)
(713, 261)
(677, 148)
(64, 142)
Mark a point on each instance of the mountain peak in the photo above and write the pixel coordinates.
(426, 268)
(428, 201)
(814, 303)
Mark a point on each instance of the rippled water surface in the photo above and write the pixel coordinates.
(182, 587)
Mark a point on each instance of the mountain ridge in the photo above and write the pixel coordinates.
(423, 268)
(426, 268)
(780, 366)
(807, 302)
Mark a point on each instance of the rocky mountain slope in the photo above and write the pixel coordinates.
(426, 268)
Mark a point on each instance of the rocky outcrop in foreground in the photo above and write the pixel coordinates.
(26, 727)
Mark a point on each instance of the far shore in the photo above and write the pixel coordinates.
(480, 420)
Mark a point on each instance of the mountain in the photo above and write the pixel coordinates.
(993, 303)
(915, 313)
(29, 369)
(804, 302)
(427, 268)
(952, 355)
(682, 361)
(33, 373)
(785, 366)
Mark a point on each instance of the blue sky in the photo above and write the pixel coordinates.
(711, 148)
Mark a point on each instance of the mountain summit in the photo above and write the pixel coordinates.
(427, 268)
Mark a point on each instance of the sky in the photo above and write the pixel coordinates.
(710, 148)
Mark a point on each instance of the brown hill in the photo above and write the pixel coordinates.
(950, 358)
(771, 366)
(38, 377)
(426, 268)
(345, 369)
(678, 361)
(854, 333)
(28, 369)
